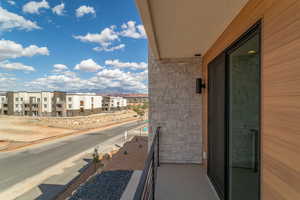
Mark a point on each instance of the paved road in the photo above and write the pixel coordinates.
(17, 166)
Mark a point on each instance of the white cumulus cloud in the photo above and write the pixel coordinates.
(115, 78)
(64, 82)
(7, 81)
(105, 39)
(15, 66)
(109, 36)
(9, 21)
(129, 65)
(131, 30)
(59, 67)
(88, 65)
(59, 9)
(112, 48)
(11, 49)
(83, 10)
(33, 7)
(11, 2)
(107, 80)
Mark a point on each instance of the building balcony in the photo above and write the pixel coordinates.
(183, 181)
(34, 108)
(60, 101)
(59, 106)
(161, 181)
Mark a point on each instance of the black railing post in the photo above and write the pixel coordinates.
(153, 176)
(157, 135)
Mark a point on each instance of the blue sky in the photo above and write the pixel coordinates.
(72, 45)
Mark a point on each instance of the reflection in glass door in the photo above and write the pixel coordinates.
(244, 118)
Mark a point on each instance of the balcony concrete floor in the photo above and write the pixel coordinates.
(183, 182)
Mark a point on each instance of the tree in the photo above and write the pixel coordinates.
(96, 160)
(139, 111)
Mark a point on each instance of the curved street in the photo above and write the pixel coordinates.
(20, 165)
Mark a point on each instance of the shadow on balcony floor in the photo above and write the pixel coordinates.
(180, 181)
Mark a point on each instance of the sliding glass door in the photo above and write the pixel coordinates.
(244, 118)
(234, 119)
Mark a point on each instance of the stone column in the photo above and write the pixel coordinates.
(175, 106)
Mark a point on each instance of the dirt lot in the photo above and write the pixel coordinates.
(20, 131)
(23, 130)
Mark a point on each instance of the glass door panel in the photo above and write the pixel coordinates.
(244, 119)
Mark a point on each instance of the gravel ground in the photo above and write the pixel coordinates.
(109, 185)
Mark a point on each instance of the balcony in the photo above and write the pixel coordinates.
(183, 181)
(33, 108)
(161, 181)
(59, 107)
(60, 101)
(26, 107)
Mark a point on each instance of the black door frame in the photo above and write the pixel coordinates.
(255, 29)
(219, 184)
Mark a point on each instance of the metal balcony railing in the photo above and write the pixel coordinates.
(146, 187)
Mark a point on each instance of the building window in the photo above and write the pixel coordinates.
(17, 99)
(38, 99)
(70, 105)
(2, 98)
(21, 99)
(17, 105)
(70, 98)
(45, 98)
(92, 99)
(81, 103)
(45, 105)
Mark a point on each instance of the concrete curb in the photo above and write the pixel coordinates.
(132, 185)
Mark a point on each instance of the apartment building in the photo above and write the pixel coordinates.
(83, 104)
(136, 99)
(112, 103)
(60, 104)
(76, 104)
(29, 103)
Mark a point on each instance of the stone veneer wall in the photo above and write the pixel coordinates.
(175, 106)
